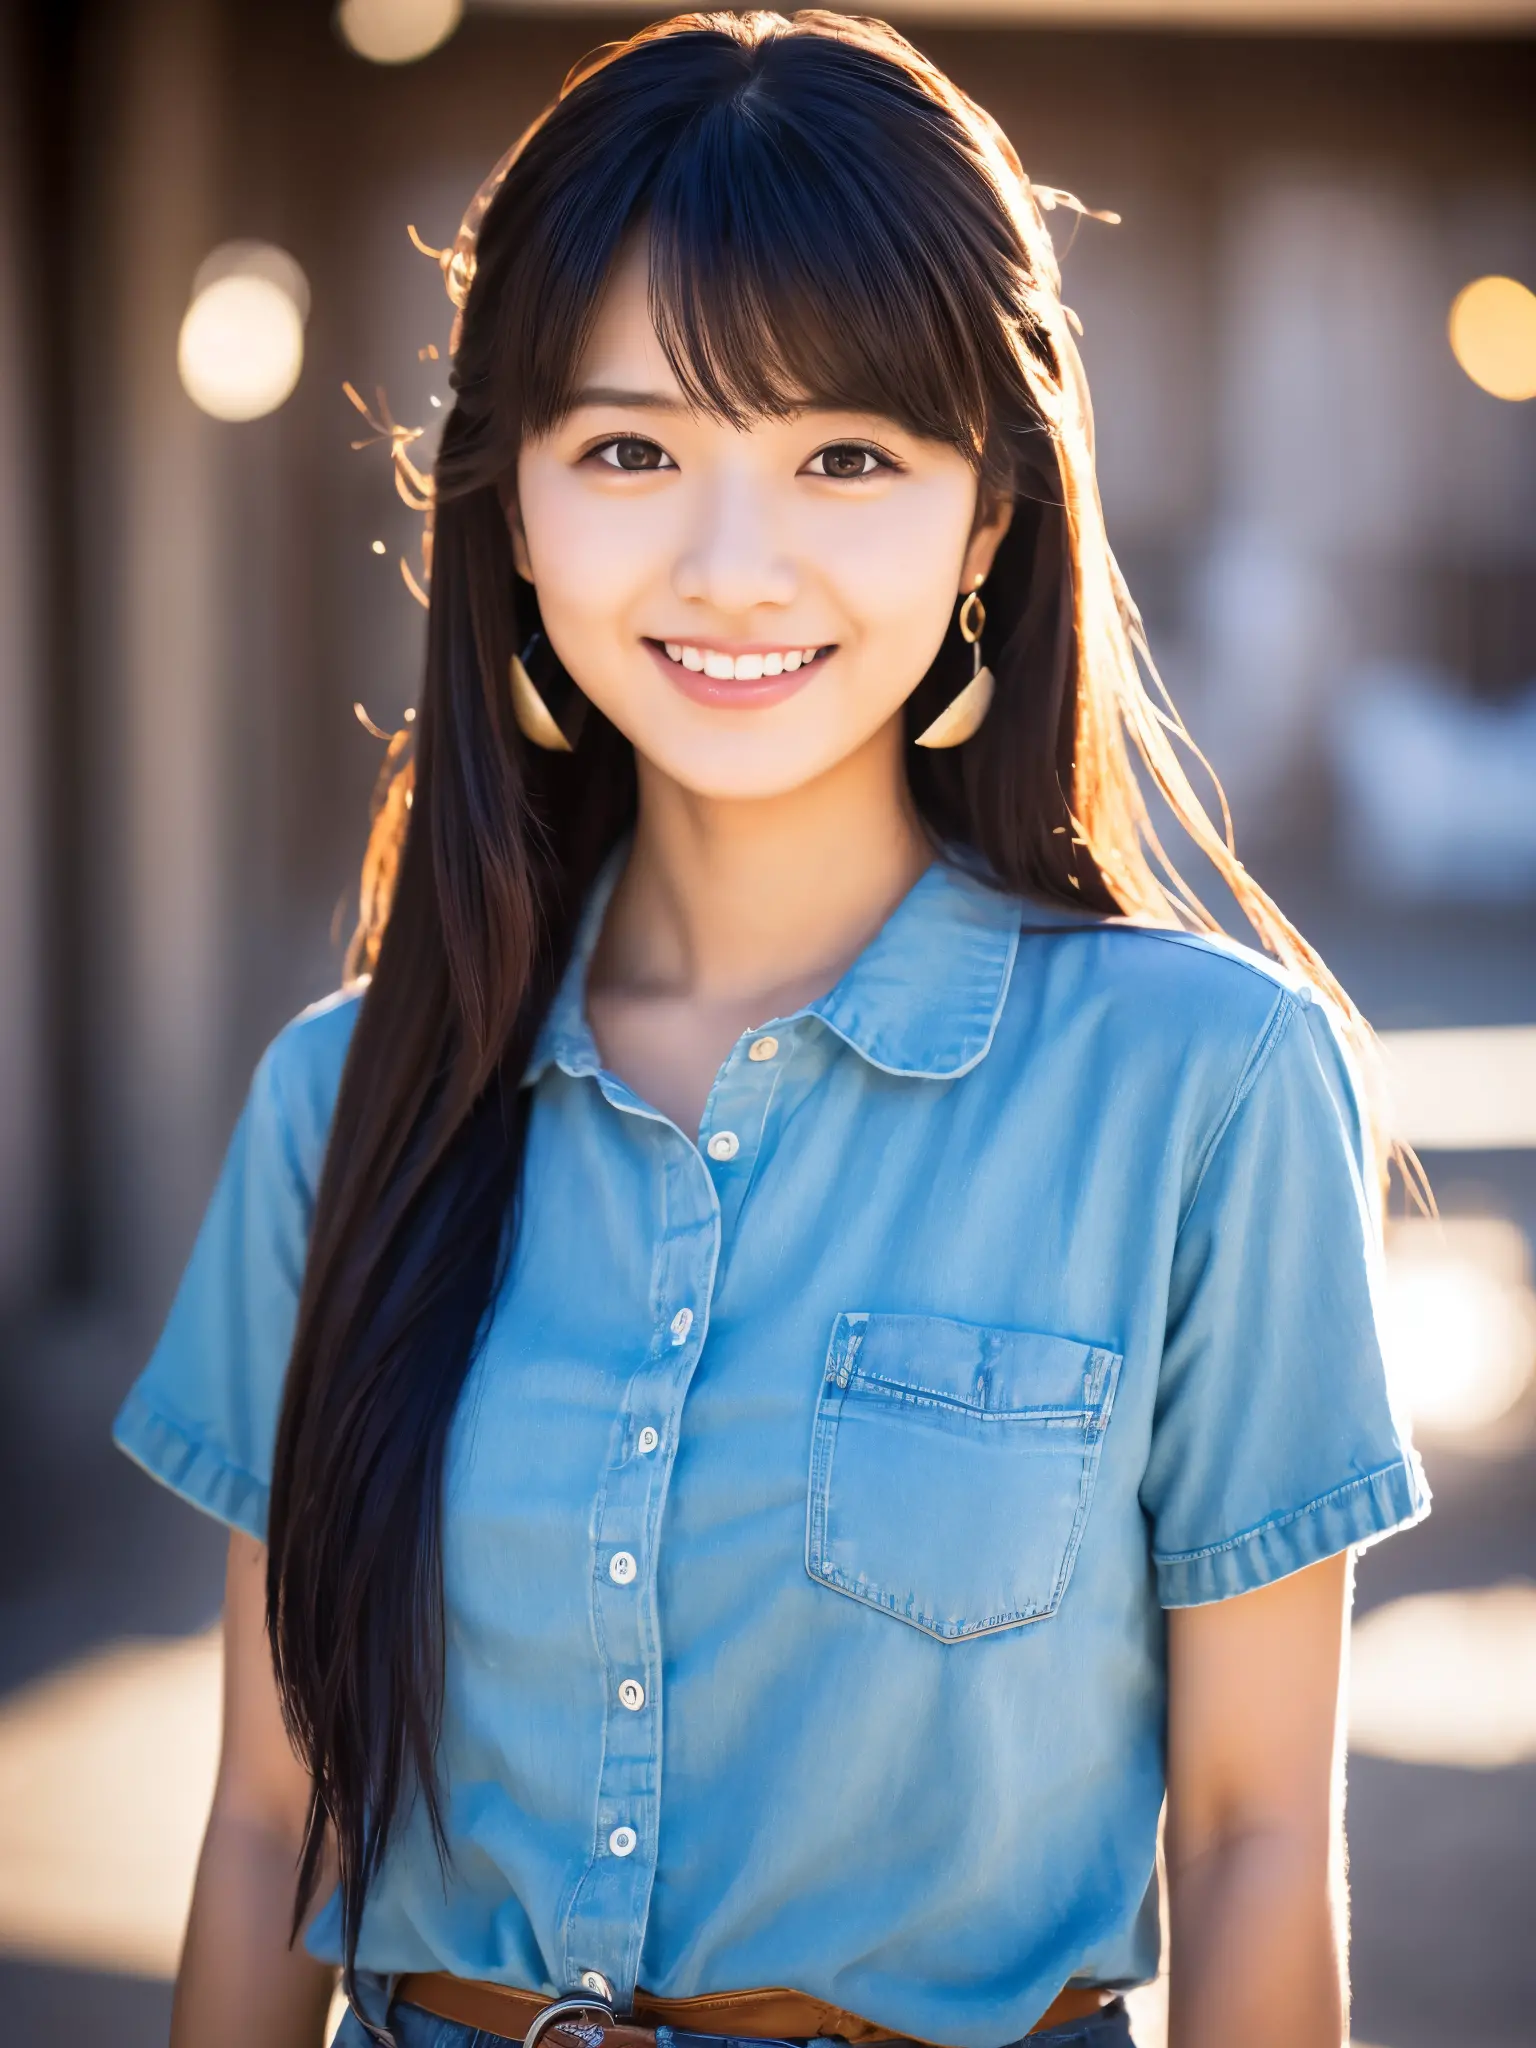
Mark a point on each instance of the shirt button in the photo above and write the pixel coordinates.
(623, 1841)
(763, 1048)
(622, 1567)
(595, 1982)
(682, 1323)
(723, 1145)
(631, 1694)
(648, 1440)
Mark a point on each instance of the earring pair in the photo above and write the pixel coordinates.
(550, 710)
(962, 716)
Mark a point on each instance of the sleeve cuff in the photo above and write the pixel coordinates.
(1352, 1517)
(197, 1471)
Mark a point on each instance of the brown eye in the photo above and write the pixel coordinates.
(630, 452)
(844, 460)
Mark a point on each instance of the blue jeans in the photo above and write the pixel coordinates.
(413, 2028)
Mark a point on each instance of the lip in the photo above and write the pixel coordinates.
(728, 693)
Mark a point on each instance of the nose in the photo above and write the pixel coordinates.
(733, 560)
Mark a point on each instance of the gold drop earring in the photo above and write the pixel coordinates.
(962, 715)
(550, 710)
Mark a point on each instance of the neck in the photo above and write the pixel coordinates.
(730, 900)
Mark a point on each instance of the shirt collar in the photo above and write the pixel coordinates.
(922, 999)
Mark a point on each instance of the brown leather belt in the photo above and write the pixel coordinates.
(508, 2014)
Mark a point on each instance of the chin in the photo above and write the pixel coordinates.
(745, 771)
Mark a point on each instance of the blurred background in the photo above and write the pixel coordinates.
(1312, 342)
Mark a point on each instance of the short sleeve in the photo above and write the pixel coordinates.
(1275, 1441)
(202, 1416)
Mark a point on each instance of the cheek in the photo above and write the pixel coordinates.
(898, 563)
(590, 556)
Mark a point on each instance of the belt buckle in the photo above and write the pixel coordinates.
(560, 2009)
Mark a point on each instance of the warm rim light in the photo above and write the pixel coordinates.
(1493, 336)
(397, 31)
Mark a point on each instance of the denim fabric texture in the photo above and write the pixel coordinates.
(817, 1493)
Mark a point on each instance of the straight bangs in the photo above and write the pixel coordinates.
(821, 231)
(785, 269)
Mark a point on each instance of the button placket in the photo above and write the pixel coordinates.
(604, 1924)
(736, 1119)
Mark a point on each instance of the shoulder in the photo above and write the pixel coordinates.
(1193, 987)
(297, 1079)
(1195, 1016)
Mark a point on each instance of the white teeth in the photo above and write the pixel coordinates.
(742, 668)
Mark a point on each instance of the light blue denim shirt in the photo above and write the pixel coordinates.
(813, 1505)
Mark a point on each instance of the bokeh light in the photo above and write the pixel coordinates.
(1459, 1323)
(1493, 336)
(1468, 1088)
(397, 31)
(241, 346)
(1447, 1678)
(106, 1771)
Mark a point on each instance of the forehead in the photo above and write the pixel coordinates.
(623, 350)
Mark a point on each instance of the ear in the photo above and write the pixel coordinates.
(993, 520)
(521, 560)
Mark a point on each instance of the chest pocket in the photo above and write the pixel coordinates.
(952, 1467)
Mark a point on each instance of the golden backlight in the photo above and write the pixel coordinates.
(397, 31)
(241, 345)
(1493, 336)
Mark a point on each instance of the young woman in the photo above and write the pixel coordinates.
(801, 1347)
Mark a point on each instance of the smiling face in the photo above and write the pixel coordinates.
(748, 605)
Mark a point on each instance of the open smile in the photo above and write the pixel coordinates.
(742, 676)
(747, 667)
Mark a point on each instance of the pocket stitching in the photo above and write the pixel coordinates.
(925, 1397)
(1102, 1370)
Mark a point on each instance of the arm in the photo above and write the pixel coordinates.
(1255, 1840)
(241, 1985)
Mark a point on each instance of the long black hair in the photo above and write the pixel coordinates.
(828, 217)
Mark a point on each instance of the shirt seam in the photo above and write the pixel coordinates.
(1285, 1519)
(201, 1446)
(1235, 953)
(1276, 1024)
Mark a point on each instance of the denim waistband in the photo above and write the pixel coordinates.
(410, 2027)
